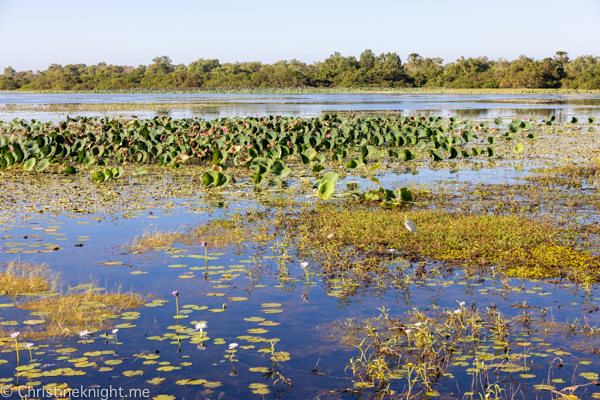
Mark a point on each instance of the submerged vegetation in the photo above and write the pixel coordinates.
(368, 71)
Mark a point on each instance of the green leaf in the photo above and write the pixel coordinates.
(99, 176)
(436, 154)
(409, 155)
(591, 120)
(453, 153)
(119, 173)
(331, 177)
(310, 153)
(498, 121)
(69, 170)
(89, 160)
(222, 180)
(490, 151)
(208, 178)
(405, 194)
(43, 164)
(325, 189)
(574, 120)
(28, 166)
(376, 166)
(355, 163)
(140, 171)
(518, 148)
(491, 139)
(317, 168)
(280, 170)
(258, 179)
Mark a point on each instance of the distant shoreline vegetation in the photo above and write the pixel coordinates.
(337, 73)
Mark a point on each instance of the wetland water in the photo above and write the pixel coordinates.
(48, 107)
(299, 330)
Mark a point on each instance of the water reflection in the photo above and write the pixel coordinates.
(305, 105)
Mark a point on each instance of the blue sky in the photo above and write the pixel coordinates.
(36, 33)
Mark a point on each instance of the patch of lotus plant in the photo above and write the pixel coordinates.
(263, 145)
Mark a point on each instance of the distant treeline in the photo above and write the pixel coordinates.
(369, 70)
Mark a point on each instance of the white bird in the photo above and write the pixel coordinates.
(409, 225)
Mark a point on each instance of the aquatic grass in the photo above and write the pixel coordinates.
(155, 239)
(569, 175)
(71, 313)
(521, 246)
(23, 277)
(399, 353)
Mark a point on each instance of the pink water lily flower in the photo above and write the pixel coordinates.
(328, 135)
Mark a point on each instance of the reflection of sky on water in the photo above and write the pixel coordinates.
(310, 105)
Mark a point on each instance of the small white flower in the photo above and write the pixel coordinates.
(115, 331)
(15, 335)
(330, 236)
(407, 331)
(462, 303)
(29, 345)
(457, 311)
(201, 326)
(84, 334)
(304, 264)
(391, 250)
(232, 346)
(418, 324)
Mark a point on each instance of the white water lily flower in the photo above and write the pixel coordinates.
(115, 331)
(15, 335)
(407, 331)
(232, 346)
(29, 345)
(201, 326)
(391, 250)
(304, 264)
(330, 236)
(84, 334)
(418, 324)
(462, 303)
(457, 311)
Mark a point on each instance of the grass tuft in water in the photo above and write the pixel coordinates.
(22, 277)
(71, 313)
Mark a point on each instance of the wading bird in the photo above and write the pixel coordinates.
(409, 225)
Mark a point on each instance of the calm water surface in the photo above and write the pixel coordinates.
(310, 105)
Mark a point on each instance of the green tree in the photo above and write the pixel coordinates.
(161, 66)
(9, 71)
